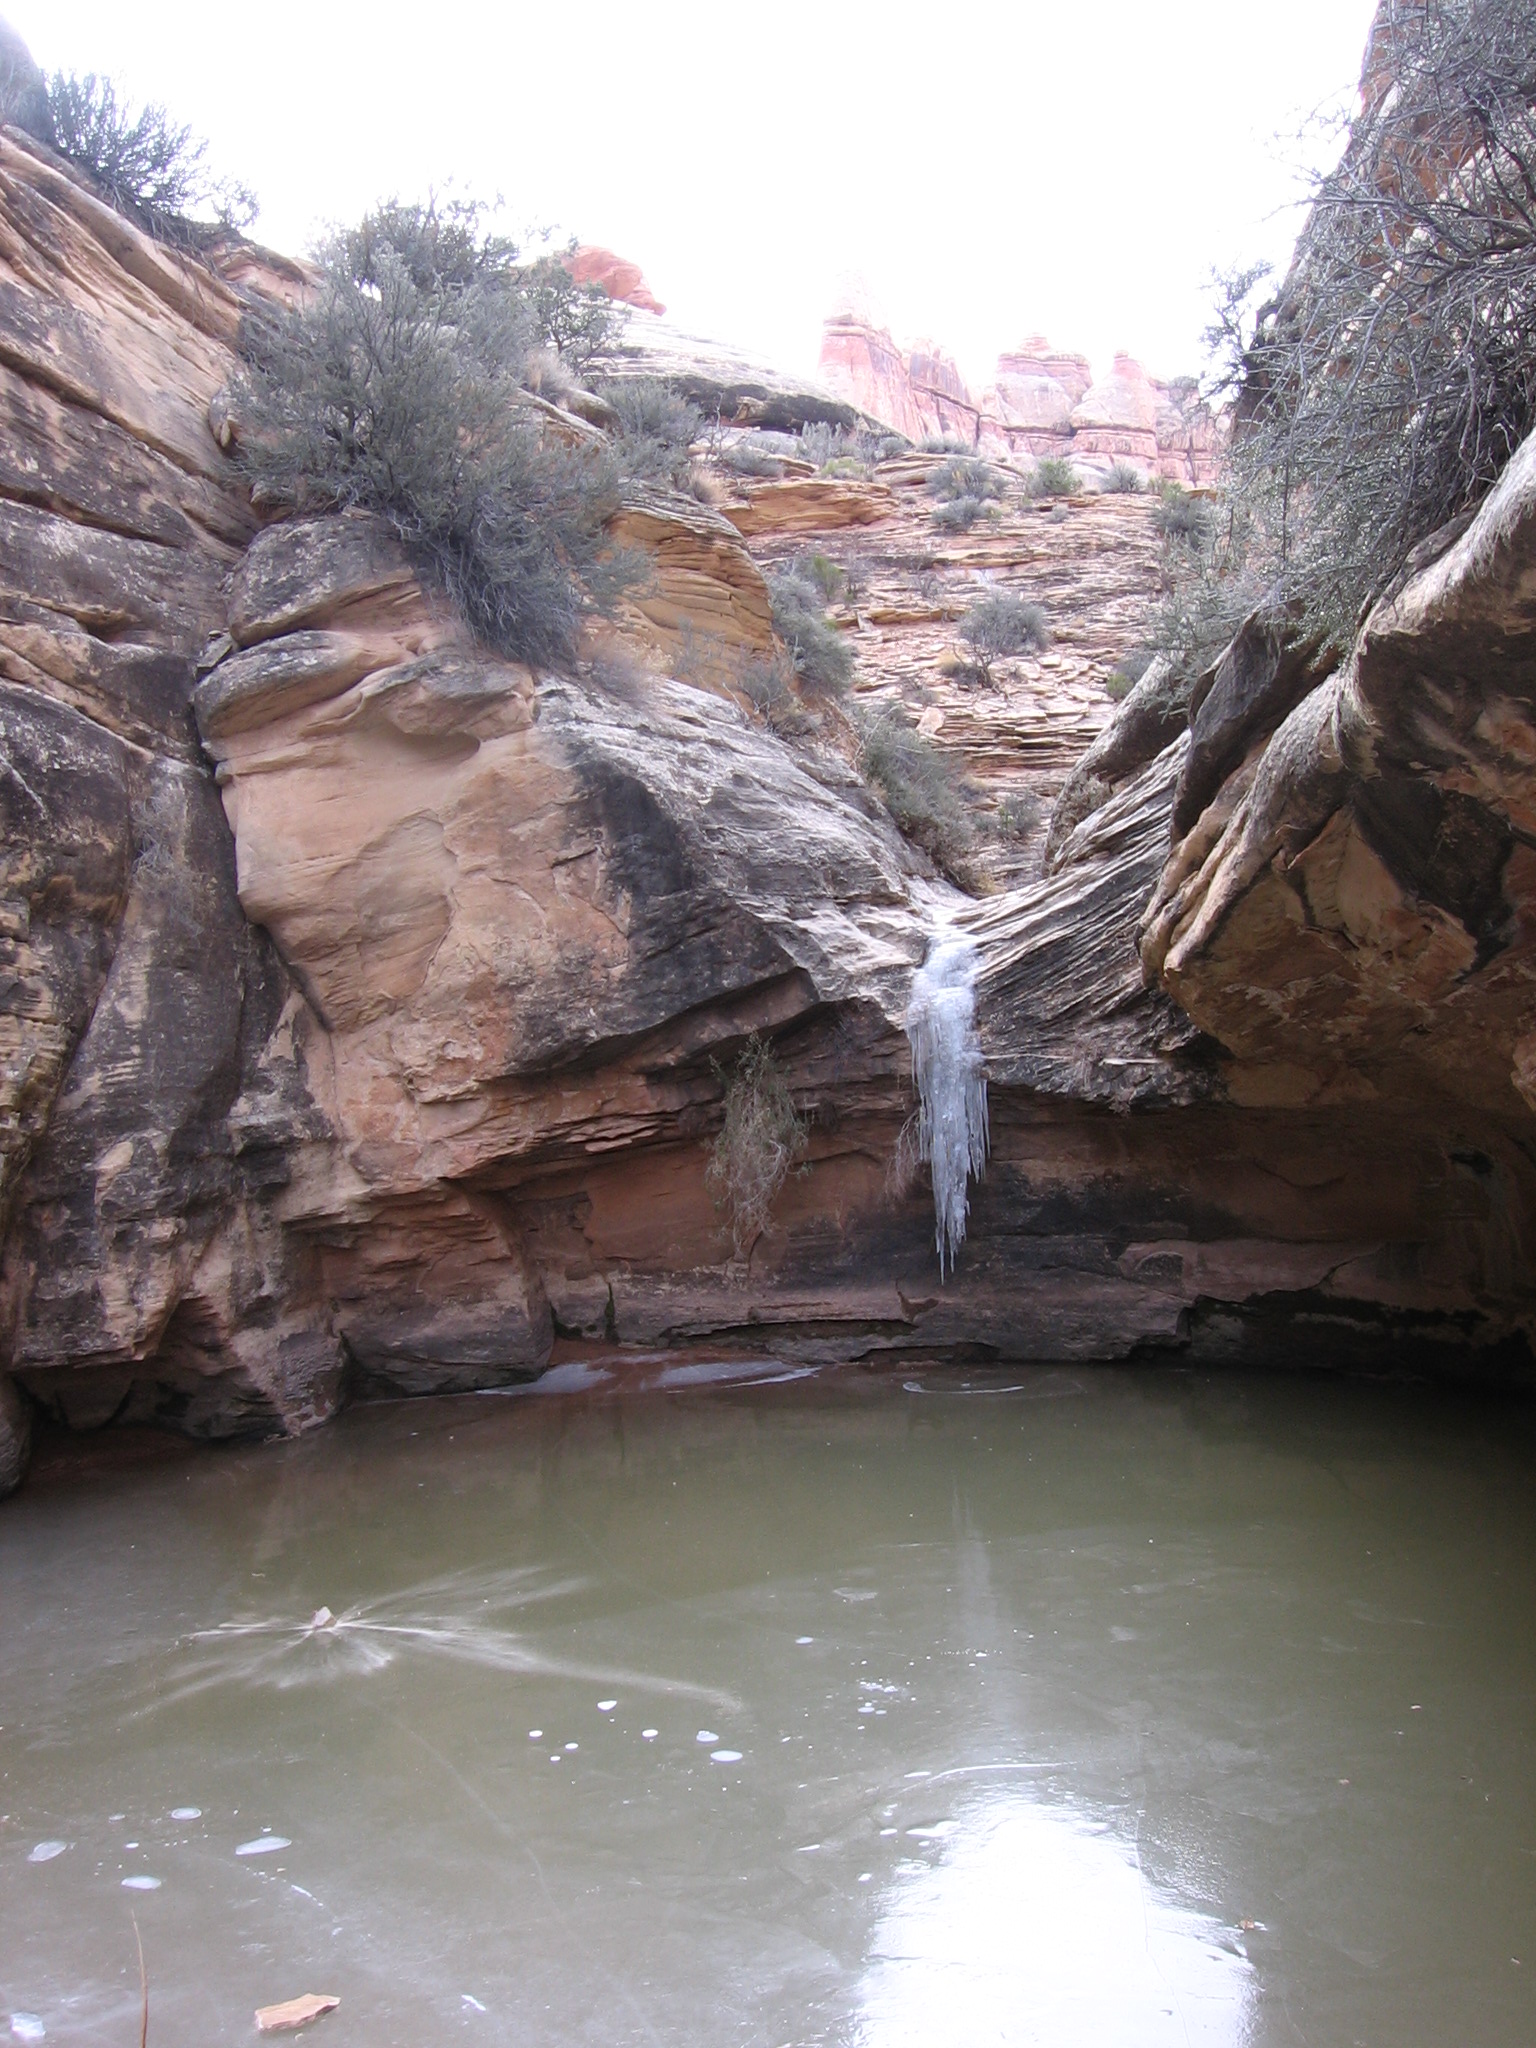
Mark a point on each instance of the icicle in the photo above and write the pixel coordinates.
(951, 1083)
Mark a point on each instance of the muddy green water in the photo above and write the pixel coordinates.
(1109, 1708)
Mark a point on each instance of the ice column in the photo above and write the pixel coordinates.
(951, 1082)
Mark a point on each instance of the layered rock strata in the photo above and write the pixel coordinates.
(370, 996)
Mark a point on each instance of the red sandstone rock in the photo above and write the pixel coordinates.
(618, 277)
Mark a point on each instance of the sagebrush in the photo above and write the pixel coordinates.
(398, 388)
(145, 164)
(821, 657)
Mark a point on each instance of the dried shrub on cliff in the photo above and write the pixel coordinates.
(1383, 389)
(1123, 478)
(761, 1137)
(398, 388)
(147, 166)
(821, 657)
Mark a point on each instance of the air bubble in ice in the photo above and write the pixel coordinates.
(26, 2026)
(951, 1081)
(264, 1845)
(141, 1884)
(45, 1852)
(706, 1735)
(186, 1813)
(725, 1756)
(606, 1706)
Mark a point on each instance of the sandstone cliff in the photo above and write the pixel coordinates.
(367, 993)
(1042, 401)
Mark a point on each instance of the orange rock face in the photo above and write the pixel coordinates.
(618, 277)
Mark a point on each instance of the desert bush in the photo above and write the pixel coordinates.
(943, 444)
(828, 577)
(397, 388)
(1127, 673)
(965, 476)
(999, 625)
(1016, 816)
(578, 321)
(656, 432)
(761, 1137)
(959, 515)
(821, 657)
(768, 686)
(745, 460)
(1052, 477)
(1124, 477)
(921, 791)
(147, 166)
(1382, 390)
(1179, 515)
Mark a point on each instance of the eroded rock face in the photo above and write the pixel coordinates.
(1042, 401)
(1350, 912)
(369, 996)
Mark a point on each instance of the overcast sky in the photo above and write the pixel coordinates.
(986, 171)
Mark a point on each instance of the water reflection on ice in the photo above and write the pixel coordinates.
(451, 1617)
(1036, 1926)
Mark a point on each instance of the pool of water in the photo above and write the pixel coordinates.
(688, 1705)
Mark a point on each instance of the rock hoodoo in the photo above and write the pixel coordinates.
(1041, 402)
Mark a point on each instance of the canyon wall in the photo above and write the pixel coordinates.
(368, 995)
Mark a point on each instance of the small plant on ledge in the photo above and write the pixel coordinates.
(761, 1138)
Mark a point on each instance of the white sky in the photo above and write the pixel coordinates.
(988, 170)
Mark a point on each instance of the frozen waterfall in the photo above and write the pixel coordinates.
(951, 1082)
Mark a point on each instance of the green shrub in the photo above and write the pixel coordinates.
(397, 388)
(761, 1137)
(965, 476)
(1017, 816)
(921, 791)
(847, 451)
(147, 166)
(657, 430)
(821, 570)
(746, 460)
(578, 321)
(1123, 477)
(1181, 516)
(943, 444)
(1128, 672)
(959, 515)
(821, 657)
(1053, 477)
(1000, 625)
